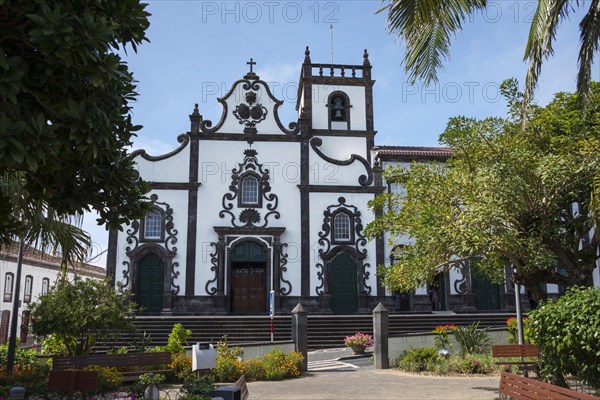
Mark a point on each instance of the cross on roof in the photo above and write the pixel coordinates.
(251, 63)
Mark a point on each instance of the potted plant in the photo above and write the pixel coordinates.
(358, 342)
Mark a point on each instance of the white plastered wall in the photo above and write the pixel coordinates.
(283, 161)
(358, 113)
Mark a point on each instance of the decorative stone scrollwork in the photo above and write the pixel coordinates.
(125, 276)
(174, 275)
(286, 288)
(363, 180)
(356, 226)
(250, 217)
(320, 277)
(365, 289)
(250, 115)
(132, 236)
(214, 260)
(461, 285)
(356, 246)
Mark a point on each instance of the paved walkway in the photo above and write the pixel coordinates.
(372, 384)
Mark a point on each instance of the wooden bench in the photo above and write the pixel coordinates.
(73, 381)
(518, 387)
(522, 351)
(239, 384)
(116, 360)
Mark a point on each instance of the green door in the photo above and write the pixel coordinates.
(342, 284)
(150, 283)
(487, 293)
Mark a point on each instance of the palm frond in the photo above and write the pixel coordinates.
(590, 37)
(426, 27)
(541, 36)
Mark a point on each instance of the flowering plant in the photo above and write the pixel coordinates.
(359, 340)
(441, 335)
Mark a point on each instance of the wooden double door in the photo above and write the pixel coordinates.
(343, 284)
(248, 288)
(150, 285)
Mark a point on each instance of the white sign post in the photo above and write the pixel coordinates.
(272, 312)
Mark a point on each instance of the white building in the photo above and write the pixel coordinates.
(39, 273)
(246, 205)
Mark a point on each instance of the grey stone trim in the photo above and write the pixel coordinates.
(244, 137)
(228, 230)
(111, 255)
(184, 139)
(305, 90)
(336, 132)
(341, 189)
(175, 185)
(190, 258)
(379, 243)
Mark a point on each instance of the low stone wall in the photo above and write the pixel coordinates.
(397, 345)
(253, 350)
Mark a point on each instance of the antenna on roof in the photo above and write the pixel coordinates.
(331, 40)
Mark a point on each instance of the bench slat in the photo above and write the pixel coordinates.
(519, 387)
(515, 350)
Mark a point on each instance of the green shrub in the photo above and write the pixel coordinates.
(197, 389)
(138, 388)
(471, 339)
(52, 345)
(275, 365)
(229, 366)
(278, 365)
(178, 338)
(428, 359)
(472, 364)
(33, 379)
(568, 333)
(24, 359)
(109, 378)
(182, 366)
(419, 359)
(513, 330)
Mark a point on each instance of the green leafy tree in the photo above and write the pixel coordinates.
(514, 192)
(568, 333)
(426, 27)
(80, 313)
(65, 119)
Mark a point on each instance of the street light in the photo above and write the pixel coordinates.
(12, 340)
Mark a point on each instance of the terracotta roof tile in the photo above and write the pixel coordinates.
(413, 151)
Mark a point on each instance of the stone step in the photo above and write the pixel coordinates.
(324, 331)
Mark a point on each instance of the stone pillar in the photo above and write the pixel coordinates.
(381, 335)
(300, 333)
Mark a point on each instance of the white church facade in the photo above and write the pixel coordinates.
(248, 205)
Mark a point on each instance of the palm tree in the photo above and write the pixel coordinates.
(38, 225)
(426, 26)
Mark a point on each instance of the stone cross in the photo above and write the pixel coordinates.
(251, 63)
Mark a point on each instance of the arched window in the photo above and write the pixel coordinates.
(28, 288)
(153, 225)
(341, 228)
(8, 286)
(45, 286)
(338, 104)
(250, 194)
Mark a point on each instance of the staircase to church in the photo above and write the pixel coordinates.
(324, 331)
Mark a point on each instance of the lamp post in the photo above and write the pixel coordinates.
(12, 340)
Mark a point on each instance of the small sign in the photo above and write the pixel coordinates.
(271, 303)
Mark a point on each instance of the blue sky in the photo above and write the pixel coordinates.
(198, 49)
